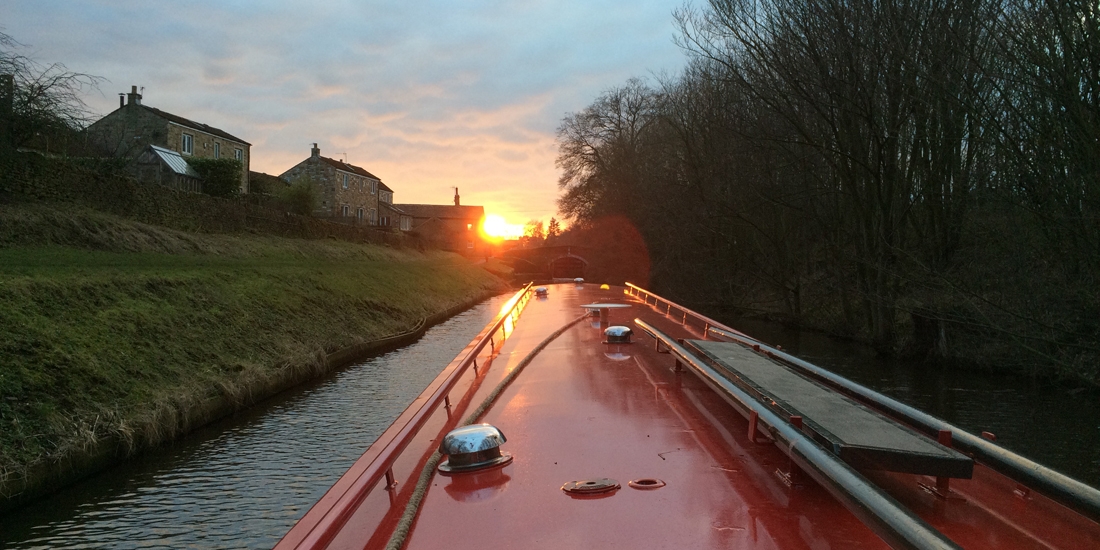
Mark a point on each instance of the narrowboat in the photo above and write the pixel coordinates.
(596, 416)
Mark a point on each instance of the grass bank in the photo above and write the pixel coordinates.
(113, 333)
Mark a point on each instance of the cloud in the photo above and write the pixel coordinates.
(427, 95)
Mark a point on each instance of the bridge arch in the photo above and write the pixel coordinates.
(567, 266)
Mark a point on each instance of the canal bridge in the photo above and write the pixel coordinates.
(550, 262)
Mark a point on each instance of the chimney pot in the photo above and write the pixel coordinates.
(456, 197)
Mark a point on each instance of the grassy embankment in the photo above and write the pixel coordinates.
(112, 332)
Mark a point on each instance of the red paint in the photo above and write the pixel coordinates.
(581, 411)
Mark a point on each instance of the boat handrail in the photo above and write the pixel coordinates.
(707, 322)
(891, 521)
(381, 466)
(1059, 487)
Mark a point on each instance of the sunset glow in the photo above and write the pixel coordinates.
(497, 227)
(428, 96)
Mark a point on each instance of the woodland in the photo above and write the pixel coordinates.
(921, 175)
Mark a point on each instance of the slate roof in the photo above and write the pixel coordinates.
(442, 211)
(339, 165)
(389, 206)
(192, 124)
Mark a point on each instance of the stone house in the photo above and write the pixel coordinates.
(129, 130)
(344, 190)
(390, 215)
(456, 228)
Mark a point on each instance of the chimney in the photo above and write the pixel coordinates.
(133, 98)
(456, 197)
(121, 100)
(315, 151)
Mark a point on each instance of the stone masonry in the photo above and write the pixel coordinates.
(344, 190)
(128, 130)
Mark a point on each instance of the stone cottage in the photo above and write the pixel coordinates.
(456, 228)
(344, 190)
(129, 131)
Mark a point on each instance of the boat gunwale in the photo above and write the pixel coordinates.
(324, 530)
(1075, 495)
(894, 523)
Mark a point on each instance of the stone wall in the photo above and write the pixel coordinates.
(103, 185)
(126, 132)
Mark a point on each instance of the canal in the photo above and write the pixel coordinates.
(242, 482)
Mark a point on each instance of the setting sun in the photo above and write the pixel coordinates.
(496, 226)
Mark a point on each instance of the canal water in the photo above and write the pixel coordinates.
(243, 482)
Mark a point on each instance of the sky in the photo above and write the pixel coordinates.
(425, 95)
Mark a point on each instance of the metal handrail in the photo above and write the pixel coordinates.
(707, 322)
(897, 525)
(1054, 485)
(1063, 489)
(381, 466)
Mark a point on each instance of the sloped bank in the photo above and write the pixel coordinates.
(104, 353)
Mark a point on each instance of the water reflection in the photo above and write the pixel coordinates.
(477, 486)
(243, 482)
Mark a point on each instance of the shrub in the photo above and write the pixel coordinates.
(221, 177)
(300, 197)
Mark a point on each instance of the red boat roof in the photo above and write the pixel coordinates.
(585, 410)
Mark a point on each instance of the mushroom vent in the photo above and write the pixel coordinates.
(541, 292)
(471, 448)
(618, 335)
(578, 280)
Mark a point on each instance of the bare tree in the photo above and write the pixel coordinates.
(47, 99)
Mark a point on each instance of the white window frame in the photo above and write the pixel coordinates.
(404, 223)
(345, 181)
(373, 187)
(373, 217)
(346, 210)
(238, 154)
(359, 214)
(217, 150)
(187, 144)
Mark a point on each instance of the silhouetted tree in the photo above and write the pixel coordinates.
(47, 99)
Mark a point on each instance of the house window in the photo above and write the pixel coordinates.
(217, 150)
(469, 226)
(373, 216)
(187, 144)
(359, 214)
(470, 245)
(238, 154)
(373, 187)
(345, 182)
(404, 224)
(346, 209)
